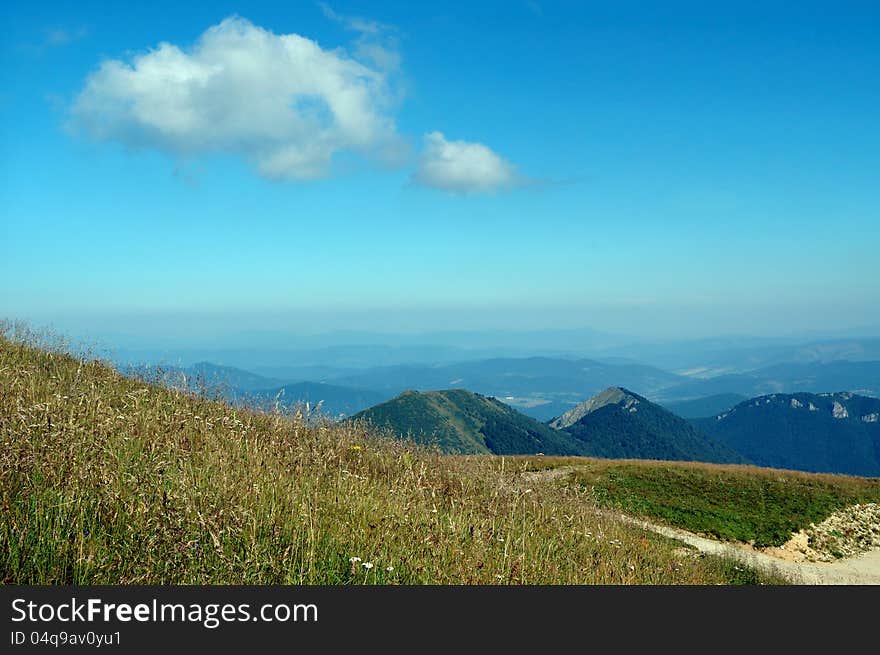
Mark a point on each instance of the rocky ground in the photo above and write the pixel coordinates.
(846, 533)
(862, 569)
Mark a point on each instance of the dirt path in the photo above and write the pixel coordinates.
(862, 569)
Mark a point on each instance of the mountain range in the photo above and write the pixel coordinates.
(705, 406)
(541, 387)
(615, 423)
(459, 421)
(478, 411)
(620, 424)
(245, 388)
(829, 432)
(817, 377)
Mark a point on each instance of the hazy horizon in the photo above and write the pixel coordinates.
(400, 324)
(174, 340)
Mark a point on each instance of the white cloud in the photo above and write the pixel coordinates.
(462, 166)
(281, 101)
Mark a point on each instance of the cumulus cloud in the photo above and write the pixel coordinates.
(462, 167)
(281, 101)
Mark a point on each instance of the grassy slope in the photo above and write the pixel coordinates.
(428, 418)
(741, 503)
(109, 480)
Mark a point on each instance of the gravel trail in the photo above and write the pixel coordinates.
(863, 569)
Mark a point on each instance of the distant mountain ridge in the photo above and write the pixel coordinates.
(737, 355)
(540, 387)
(705, 406)
(459, 421)
(614, 423)
(861, 377)
(544, 387)
(246, 388)
(613, 395)
(331, 400)
(618, 423)
(203, 376)
(826, 432)
(504, 376)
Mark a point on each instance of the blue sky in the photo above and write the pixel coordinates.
(656, 169)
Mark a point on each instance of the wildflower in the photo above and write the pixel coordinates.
(356, 447)
(367, 565)
(354, 559)
(632, 568)
(389, 568)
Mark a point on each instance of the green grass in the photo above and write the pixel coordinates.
(109, 480)
(739, 503)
